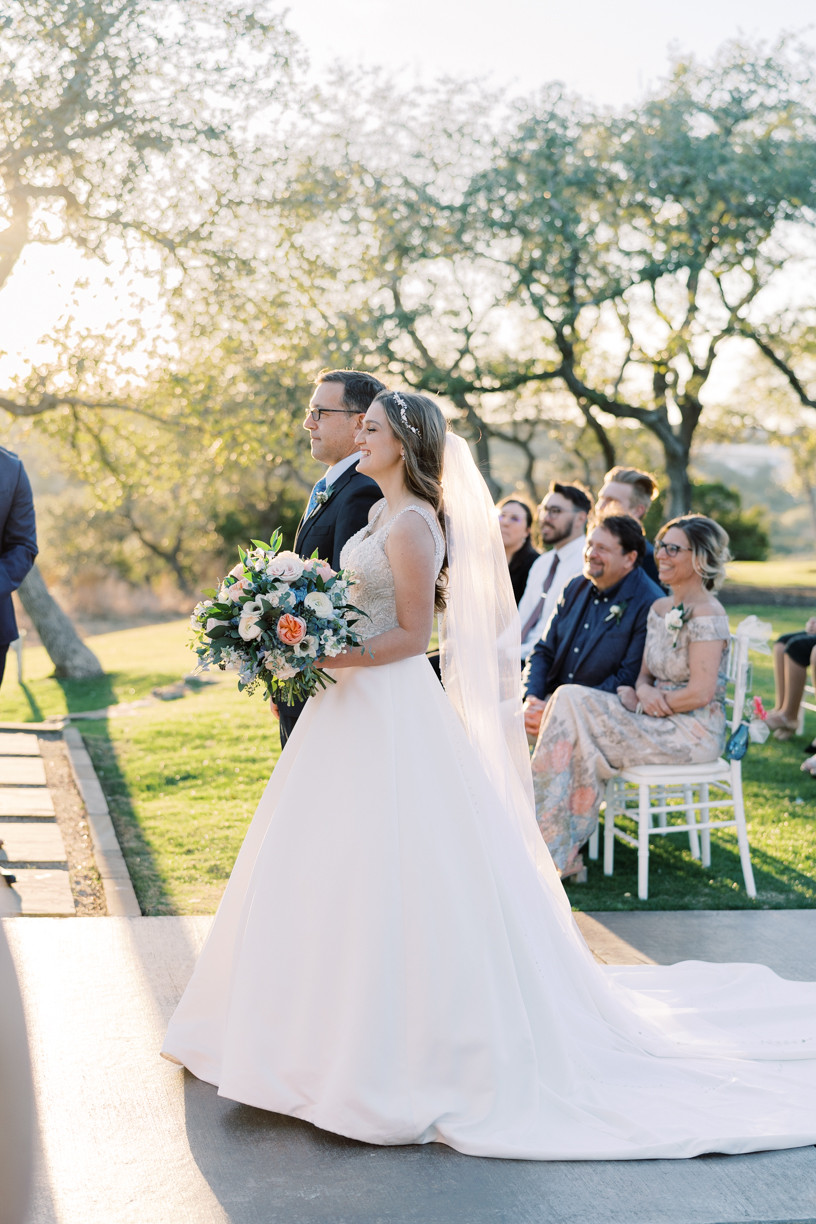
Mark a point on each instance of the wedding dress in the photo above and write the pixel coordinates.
(395, 960)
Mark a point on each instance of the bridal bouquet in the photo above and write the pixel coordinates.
(272, 617)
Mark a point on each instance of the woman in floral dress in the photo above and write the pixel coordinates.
(674, 715)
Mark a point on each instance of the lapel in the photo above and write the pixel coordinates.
(624, 592)
(341, 481)
(576, 612)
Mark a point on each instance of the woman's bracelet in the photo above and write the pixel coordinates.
(639, 708)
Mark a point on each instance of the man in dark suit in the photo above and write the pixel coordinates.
(630, 491)
(18, 543)
(340, 501)
(597, 632)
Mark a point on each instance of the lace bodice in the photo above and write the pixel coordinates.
(365, 554)
(670, 664)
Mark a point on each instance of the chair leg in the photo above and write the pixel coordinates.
(593, 844)
(742, 832)
(705, 834)
(800, 717)
(662, 819)
(644, 822)
(609, 828)
(691, 819)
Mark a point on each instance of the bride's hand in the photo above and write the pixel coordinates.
(628, 697)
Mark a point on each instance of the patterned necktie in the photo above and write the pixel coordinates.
(535, 616)
(320, 487)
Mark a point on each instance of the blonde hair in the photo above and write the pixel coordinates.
(418, 423)
(708, 542)
(643, 485)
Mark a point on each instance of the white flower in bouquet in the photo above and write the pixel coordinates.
(231, 659)
(279, 668)
(319, 603)
(237, 571)
(307, 649)
(286, 565)
(212, 621)
(248, 626)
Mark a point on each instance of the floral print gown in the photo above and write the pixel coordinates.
(587, 735)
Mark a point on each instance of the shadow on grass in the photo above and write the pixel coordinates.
(678, 882)
(95, 693)
(141, 864)
(33, 705)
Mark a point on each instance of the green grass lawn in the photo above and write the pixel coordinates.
(183, 779)
(784, 572)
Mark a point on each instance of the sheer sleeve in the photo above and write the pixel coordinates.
(708, 629)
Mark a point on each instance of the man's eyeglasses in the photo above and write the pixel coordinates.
(671, 550)
(316, 413)
(553, 511)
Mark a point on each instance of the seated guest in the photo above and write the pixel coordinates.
(630, 491)
(515, 524)
(675, 712)
(793, 653)
(562, 520)
(596, 635)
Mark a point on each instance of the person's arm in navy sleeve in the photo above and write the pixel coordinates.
(541, 658)
(352, 515)
(19, 546)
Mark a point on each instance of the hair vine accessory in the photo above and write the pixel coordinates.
(401, 404)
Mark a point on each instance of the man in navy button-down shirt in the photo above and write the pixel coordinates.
(597, 633)
(18, 542)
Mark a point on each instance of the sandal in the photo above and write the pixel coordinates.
(810, 748)
(782, 727)
(809, 766)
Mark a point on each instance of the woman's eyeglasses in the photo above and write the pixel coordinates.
(671, 550)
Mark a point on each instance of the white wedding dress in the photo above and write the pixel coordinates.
(394, 959)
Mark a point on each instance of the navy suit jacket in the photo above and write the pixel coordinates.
(18, 537)
(613, 653)
(338, 519)
(649, 565)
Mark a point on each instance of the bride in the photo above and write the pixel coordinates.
(394, 958)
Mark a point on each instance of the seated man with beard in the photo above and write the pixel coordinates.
(595, 636)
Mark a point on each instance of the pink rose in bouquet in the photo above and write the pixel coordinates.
(291, 629)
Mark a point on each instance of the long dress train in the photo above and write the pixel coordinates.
(390, 963)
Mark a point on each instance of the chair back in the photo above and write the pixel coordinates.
(739, 673)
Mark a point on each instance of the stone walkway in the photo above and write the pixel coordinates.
(128, 1139)
(31, 845)
(32, 852)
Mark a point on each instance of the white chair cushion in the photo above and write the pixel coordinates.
(673, 775)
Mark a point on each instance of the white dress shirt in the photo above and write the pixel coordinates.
(570, 564)
(331, 474)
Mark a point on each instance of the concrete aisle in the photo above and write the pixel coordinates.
(128, 1139)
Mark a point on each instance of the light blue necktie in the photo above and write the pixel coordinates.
(320, 487)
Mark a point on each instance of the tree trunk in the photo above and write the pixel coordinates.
(677, 460)
(811, 492)
(71, 657)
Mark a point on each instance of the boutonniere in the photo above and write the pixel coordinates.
(616, 612)
(674, 621)
(322, 498)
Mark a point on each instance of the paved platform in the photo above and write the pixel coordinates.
(128, 1138)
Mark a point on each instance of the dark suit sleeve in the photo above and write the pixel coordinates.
(352, 515)
(629, 667)
(19, 546)
(541, 657)
(649, 566)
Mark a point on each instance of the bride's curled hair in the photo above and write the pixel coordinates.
(421, 428)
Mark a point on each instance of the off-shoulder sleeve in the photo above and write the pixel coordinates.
(708, 628)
